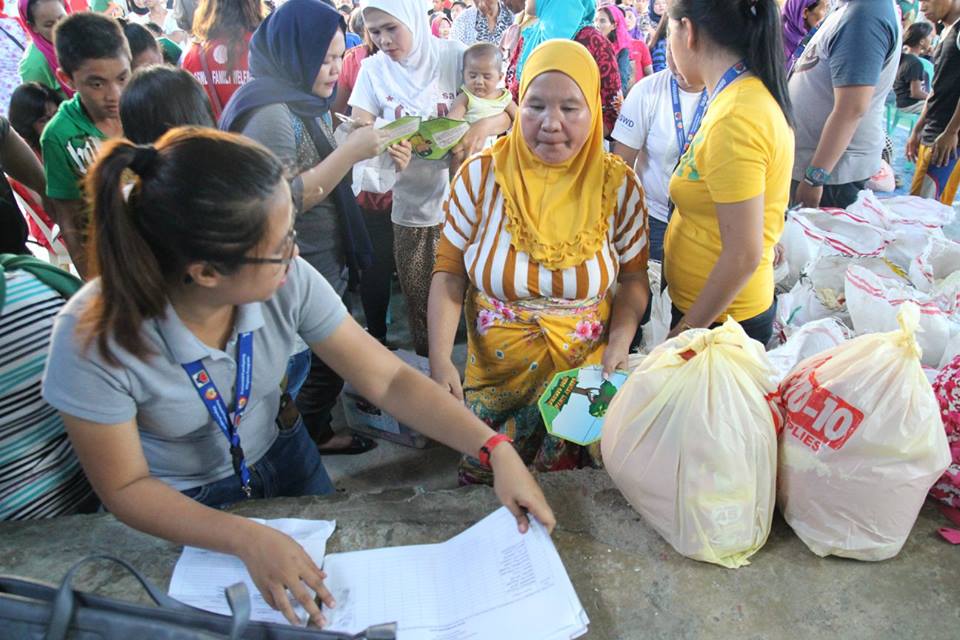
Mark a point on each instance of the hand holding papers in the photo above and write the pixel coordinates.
(200, 576)
(488, 582)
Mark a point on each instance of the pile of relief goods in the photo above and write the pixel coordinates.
(838, 424)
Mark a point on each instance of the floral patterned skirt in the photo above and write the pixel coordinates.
(514, 349)
(947, 389)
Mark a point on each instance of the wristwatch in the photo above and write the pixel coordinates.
(815, 176)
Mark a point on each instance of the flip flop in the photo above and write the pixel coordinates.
(358, 444)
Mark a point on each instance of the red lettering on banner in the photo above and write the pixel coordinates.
(816, 416)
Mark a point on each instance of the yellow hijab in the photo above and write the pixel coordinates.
(559, 213)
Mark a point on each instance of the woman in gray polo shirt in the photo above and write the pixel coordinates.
(200, 279)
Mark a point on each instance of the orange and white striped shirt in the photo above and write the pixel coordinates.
(476, 243)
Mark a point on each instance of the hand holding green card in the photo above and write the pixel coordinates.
(576, 401)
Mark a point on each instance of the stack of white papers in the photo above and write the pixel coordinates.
(200, 576)
(489, 582)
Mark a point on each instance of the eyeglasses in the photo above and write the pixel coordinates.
(289, 245)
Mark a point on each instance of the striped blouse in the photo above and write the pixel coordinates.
(40, 477)
(477, 244)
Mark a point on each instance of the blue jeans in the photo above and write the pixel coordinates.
(298, 368)
(658, 231)
(290, 468)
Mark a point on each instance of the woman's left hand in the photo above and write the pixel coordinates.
(401, 154)
(517, 489)
(614, 358)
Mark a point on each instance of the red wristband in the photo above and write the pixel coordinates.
(490, 445)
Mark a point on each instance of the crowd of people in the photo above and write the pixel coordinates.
(208, 168)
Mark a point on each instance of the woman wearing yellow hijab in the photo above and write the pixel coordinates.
(539, 228)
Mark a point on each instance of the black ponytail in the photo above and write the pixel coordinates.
(200, 196)
(750, 28)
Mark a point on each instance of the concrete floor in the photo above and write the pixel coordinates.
(391, 465)
(632, 584)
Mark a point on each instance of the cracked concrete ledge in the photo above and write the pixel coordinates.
(632, 584)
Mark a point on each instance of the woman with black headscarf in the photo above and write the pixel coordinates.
(295, 60)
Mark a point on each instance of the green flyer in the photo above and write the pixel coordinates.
(431, 139)
(400, 130)
(576, 401)
(437, 137)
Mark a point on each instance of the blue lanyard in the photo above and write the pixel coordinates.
(683, 138)
(731, 74)
(795, 56)
(218, 409)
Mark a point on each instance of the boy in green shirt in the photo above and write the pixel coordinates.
(95, 62)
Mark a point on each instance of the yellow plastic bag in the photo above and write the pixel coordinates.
(862, 446)
(691, 442)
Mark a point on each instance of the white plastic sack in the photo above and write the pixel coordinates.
(862, 446)
(950, 351)
(691, 442)
(820, 292)
(912, 222)
(805, 342)
(910, 211)
(812, 233)
(656, 330)
(917, 211)
(869, 208)
(939, 259)
(874, 301)
(908, 243)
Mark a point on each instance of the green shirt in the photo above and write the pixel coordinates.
(69, 144)
(34, 68)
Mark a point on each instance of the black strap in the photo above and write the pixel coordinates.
(64, 602)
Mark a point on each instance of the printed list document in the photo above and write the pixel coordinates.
(200, 576)
(489, 582)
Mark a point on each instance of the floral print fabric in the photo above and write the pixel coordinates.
(947, 389)
(514, 350)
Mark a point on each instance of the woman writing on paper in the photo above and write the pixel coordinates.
(540, 229)
(295, 61)
(167, 367)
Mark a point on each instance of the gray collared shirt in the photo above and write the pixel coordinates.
(182, 444)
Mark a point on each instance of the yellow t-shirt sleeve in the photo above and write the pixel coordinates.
(734, 164)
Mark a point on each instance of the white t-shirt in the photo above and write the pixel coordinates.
(646, 124)
(421, 188)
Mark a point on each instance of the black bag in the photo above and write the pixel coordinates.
(33, 610)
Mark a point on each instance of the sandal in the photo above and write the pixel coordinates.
(358, 444)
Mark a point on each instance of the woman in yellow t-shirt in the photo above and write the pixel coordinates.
(732, 185)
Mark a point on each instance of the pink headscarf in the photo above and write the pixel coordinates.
(41, 43)
(622, 34)
(435, 25)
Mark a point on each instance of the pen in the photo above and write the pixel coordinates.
(344, 118)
